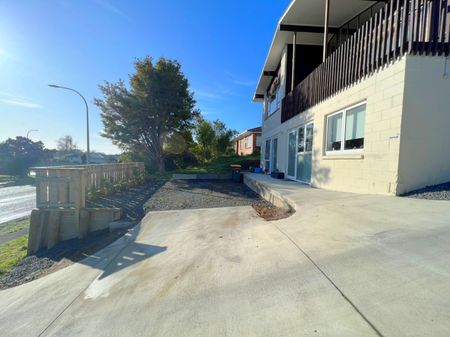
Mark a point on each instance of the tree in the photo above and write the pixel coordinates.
(213, 138)
(158, 104)
(19, 154)
(66, 144)
(206, 139)
(224, 137)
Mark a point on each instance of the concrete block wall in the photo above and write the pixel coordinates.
(376, 170)
(425, 143)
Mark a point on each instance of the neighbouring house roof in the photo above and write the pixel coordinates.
(247, 133)
(310, 13)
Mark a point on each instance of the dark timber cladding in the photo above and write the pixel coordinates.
(416, 27)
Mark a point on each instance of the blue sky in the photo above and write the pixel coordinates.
(220, 44)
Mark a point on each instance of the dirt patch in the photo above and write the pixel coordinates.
(272, 213)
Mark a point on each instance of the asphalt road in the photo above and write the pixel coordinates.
(16, 202)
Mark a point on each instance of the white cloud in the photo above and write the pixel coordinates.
(20, 102)
(207, 95)
(113, 9)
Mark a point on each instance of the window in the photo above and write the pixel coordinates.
(274, 155)
(258, 140)
(345, 130)
(274, 96)
(267, 155)
(274, 102)
(248, 142)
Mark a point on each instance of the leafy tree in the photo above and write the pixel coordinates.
(157, 105)
(19, 154)
(224, 137)
(66, 144)
(206, 139)
(213, 138)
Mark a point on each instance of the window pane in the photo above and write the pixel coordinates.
(309, 137)
(334, 130)
(292, 154)
(267, 151)
(275, 154)
(354, 128)
(301, 140)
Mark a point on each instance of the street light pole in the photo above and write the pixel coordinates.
(87, 117)
(29, 131)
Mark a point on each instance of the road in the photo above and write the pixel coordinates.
(16, 202)
(342, 265)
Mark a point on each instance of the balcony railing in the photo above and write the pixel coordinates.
(416, 27)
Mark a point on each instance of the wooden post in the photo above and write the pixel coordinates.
(325, 30)
(294, 55)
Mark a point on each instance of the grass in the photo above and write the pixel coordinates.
(14, 226)
(12, 252)
(219, 165)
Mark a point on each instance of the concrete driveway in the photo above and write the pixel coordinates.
(343, 265)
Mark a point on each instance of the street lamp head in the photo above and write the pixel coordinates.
(54, 86)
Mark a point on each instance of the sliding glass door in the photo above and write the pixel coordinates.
(267, 155)
(300, 145)
(292, 154)
(274, 160)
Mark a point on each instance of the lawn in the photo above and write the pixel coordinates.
(12, 252)
(221, 164)
(14, 226)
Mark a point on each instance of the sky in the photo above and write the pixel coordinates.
(221, 46)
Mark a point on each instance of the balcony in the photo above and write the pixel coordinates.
(414, 27)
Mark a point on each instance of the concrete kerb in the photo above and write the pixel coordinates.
(269, 194)
(201, 176)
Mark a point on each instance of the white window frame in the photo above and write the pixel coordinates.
(248, 142)
(277, 100)
(297, 134)
(343, 151)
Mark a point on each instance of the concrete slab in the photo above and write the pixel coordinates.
(342, 265)
(388, 255)
(212, 272)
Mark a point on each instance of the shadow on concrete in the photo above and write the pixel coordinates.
(122, 254)
(77, 250)
(131, 255)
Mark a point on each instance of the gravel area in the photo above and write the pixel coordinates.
(437, 192)
(188, 194)
(131, 201)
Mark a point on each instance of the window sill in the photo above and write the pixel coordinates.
(343, 156)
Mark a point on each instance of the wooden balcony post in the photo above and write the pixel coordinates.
(325, 29)
(294, 55)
